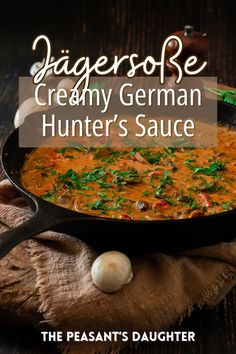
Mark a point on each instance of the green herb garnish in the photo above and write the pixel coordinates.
(50, 196)
(148, 155)
(212, 170)
(122, 178)
(97, 205)
(163, 182)
(188, 200)
(228, 96)
(61, 151)
(102, 205)
(227, 205)
(168, 200)
(80, 181)
(169, 151)
(103, 195)
(146, 193)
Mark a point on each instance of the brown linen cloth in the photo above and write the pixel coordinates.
(51, 283)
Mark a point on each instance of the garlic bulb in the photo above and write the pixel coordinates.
(111, 271)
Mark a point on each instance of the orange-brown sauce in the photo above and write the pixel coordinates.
(149, 184)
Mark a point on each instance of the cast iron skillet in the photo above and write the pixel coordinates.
(105, 233)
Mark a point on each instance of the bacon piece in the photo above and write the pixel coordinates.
(51, 164)
(159, 204)
(154, 173)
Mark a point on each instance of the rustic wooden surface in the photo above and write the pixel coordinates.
(119, 27)
(116, 27)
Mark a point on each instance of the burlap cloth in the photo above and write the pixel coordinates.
(47, 281)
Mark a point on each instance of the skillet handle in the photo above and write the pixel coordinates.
(9, 239)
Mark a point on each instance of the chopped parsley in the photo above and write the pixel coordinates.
(81, 180)
(61, 151)
(103, 195)
(169, 151)
(70, 179)
(152, 158)
(227, 205)
(97, 205)
(169, 200)
(102, 205)
(188, 200)
(50, 196)
(163, 182)
(122, 178)
(211, 170)
(211, 187)
(108, 155)
(146, 193)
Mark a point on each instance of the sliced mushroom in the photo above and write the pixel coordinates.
(182, 214)
(158, 216)
(77, 205)
(64, 199)
(196, 213)
(38, 180)
(101, 153)
(142, 206)
(149, 218)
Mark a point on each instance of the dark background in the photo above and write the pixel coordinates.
(117, 27)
